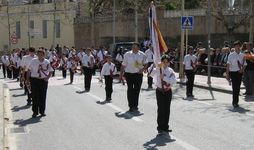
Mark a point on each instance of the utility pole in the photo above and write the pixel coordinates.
(209, 41)
(114, 22)
(28, 23)
(9, 26)
(136, 21)
(54, 25)
(181, 73)
(251, 21)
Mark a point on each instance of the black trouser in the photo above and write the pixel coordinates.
(4, 70)
(29, 94)
(71, 75)
(88, 77)
(149, 79)
(53, 73)
(9, 72)
(134, 82)
(190, 74)
(64, 72)
(39, 93)
(108, 87)
(15, 72)
(163, 111)
(236, 79)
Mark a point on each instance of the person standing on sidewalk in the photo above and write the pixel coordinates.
(5, 62)
(134, 64)
(39, 72)
(249, 71)
(25, 63)
(235, 67)
(164, 80)
(190, 67)
(108, 71)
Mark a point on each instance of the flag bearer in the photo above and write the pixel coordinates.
(108, 71)
(164, 78)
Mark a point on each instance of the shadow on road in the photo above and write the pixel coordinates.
(158, 141)
(21, 122)
(240, 110)
(18, 95)
(128, 115)
(16, 89)
(249, 98)
(18, 108)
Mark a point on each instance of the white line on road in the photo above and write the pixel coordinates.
(185, 145)
(114, 107)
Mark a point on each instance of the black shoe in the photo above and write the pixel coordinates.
(108, 99)
(236, 105)
(135, 108)
(131, 109)
(169, 130)
(43, 115)
(34, 115)
(29, 103)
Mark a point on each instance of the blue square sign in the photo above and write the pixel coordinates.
(187, 22)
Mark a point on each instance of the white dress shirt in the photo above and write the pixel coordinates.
(168, 77)
(234, 60)
(40, 69)
(134, 62)
(119, 57)
(108, 69)
(101, 55)
(88, 60)
(187, 61)
(80, 55)
(5, 60)
(26, 60)
(149, 55)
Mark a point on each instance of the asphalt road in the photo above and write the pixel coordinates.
(81, 122)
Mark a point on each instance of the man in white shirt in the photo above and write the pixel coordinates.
(25, 63)
(190, 66)
(5, 61)
(235, 68)
(134, 64)
(149, 56)
(39, 72)
(101, 57)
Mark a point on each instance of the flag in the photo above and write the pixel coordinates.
(158, 43)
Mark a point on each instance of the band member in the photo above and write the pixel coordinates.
(39, 72)
(119, 61)
(80, 55)
(134, 64)
(54, 62)
(5, 63)
(149, 56)
(72, 66)
(101, 57)
(235, 67)
(26, 60)
(164, 80)
(87, 66)
(108, 71)
(63, 64)
(190, 67)
(249, 71)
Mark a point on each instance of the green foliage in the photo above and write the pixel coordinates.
(192, 4)
(170, 6)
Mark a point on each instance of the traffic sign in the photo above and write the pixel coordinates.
(14, 38)
(187, 22)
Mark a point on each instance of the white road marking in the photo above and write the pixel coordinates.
(185, 145)
(114, 107)
(206, 103)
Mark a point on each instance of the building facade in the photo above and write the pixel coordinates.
(39, 23)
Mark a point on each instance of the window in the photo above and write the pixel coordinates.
(18, 32)
(44, 29)
(31, 27)
(58, 28)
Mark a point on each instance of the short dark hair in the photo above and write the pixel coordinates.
(136, 43)
(165, 57)
(31, 49)
(237, 43)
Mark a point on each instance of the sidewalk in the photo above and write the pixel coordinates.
(1, 116)
(217, 84)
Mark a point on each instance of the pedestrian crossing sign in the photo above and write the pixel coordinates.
(187, 22)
